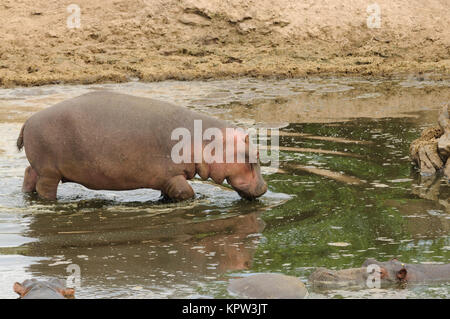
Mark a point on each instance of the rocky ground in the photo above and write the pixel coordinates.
(155, 40)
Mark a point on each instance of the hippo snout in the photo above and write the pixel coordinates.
(253, 193)
(260, 190)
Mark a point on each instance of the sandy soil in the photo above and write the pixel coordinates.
(155, 40)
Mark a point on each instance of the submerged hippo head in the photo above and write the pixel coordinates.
(49, 289)
(392, 271)
(389, 273)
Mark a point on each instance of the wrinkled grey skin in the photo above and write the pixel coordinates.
(49, 289)
(392, 273)
(397, 271)
(268, 286)
(111, 141)
(352, 278)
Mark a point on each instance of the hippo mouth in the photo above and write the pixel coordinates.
(248, 193)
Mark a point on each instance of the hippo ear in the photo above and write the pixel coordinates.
(369, 261)
(247, 139)
(67, 293)
(20, 289)
(251, 151)
(401, 274)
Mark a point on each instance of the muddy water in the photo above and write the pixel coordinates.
(354, 198)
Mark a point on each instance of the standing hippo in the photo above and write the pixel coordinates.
(48, 289)
(111, 141)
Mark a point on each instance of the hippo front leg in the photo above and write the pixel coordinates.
(177, 188)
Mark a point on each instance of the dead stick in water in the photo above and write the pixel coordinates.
(330, 174)
(324, 138)
(76, 232)
(311, 150)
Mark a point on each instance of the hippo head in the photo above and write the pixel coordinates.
(247, 180)
(49, 289)
(392, 271)
(240, 168)
(245, 177)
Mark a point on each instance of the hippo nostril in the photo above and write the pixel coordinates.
(262, 190)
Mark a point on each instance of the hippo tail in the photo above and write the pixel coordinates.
(20, 139)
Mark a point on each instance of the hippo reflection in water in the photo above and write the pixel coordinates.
(391, 273)
(45, 289)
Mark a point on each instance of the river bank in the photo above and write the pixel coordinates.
(157, 40)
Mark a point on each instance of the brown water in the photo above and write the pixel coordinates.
(130, 245)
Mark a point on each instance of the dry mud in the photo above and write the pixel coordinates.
(154, 40)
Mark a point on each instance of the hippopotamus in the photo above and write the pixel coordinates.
(268, 286)
(391, 273)
(49, 289)
(110, 141)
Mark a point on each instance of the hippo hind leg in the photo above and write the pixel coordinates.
(177, 188)
(47, 186)
(29, 180)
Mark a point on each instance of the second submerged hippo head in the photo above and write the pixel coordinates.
(389, 273)
(392, 271)
(46, 289)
